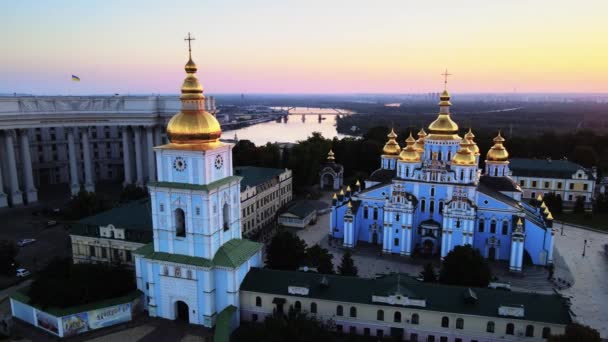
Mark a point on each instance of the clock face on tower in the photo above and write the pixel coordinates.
(179, 164)
(219, 161)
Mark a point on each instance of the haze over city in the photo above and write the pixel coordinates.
(304, 47)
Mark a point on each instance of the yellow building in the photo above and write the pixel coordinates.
(404, 308)
(562, 177)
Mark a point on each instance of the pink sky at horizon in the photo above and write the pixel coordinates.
(278, 47)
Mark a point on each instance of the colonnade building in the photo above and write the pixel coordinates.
(79, 140)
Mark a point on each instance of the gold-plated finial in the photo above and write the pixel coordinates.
(543, 205)
(539, 198)
(331, 155)
(335, 196)
(519, 223)
(341, 192)
(358, 183)
(350, 205)
(445, 79)
(550, 217)
(546, 211)
(348, 188)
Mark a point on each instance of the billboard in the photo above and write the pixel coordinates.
(74, 324)
(47, 322)
(96, 319)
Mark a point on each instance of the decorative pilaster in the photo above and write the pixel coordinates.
(138, 156)
(14, 194)
(3, 199)
(150, 154)
(31, 193)
(126, 155)
(89, 184)
(74, 181)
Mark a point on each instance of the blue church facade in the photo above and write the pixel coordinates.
(194, 267)
(430, 196)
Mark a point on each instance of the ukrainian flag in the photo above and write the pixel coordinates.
(75, 78)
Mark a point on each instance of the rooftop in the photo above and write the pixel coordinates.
(253, 175)
(545, 168)
(443, 298)
(303, 208)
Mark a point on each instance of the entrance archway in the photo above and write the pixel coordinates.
(182, 312)
(375, 237)
(328, 181)
(492, 253)
(427, 247)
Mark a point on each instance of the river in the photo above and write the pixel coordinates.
(293, 128)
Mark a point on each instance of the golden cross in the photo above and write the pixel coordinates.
(445, 79)
(189, 39)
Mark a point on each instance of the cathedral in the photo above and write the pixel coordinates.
(195, 266)
(431, 196)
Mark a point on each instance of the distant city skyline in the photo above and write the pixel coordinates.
(316, 47)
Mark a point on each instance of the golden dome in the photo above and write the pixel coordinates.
(473, 146)
(193, 125)
(419, 145)
(464, 156)
(409, 154)
(391, 148)
(330, 156)
(443, 128)
(498, 153)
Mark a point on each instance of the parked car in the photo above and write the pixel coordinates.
(22, 273)
(25, 242)
(51, 223)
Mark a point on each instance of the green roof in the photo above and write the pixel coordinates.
(135, 217)
(235, 252)
(303, 208)
(205, 187)
(232, 254)
(21, 296)
(547, 168)
(253, 175)
(222, 324)
(442, 298)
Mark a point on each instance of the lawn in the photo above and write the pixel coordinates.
(597, 221)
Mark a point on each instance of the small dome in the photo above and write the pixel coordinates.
(191, 67)
(409, 154)
(498, 153)
(391, 148)
(464, 156)
(473, 146)
(331, 156)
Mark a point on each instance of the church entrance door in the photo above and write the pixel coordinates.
(492, 253)
(427, 247)
(328, 181)
(182, 312)
(375, 238)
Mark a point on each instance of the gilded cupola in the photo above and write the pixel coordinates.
(443, 128)
(498, 152)
(331, 156)
(419, 145)
(391, 148)
(464, 156)
(473, 145)
(193, 125)
(409, 153)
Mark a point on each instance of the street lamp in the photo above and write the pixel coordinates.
(585, 247)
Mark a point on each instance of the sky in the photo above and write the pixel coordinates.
(313, 46)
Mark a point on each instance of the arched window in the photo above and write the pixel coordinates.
(505, 227)
(495, 172)
(422, 205)
(313, 307)
(166, 270)
(510, 329)
(397, 217)
(375, 214)
(432, 191)
(461, 175)
(439, 155)
(366, 212)
(298, 305)
(226, 216)
(445, 322)
(449, 155)
(258, 301)
(407, 172)
(529, 330)
(415, 319)
(339, 310)
(397, 316)
(380, 315)
(493, 227)
(490, 327)
(481, 225)
(460, 323)
(546, 332)
(180, 222)
(189, 274)
(441, 207)
(353, 311)
(432, 206)
(457, 223)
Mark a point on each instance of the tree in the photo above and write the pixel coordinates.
(320, 258)
(286, 251)
(554, 203)
(84, 204)
(428, 274)
(577, 333)
(347, 266)
(133, 192)
(465, 266)
(579, 205)
(8, 252)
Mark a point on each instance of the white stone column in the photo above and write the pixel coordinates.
(150, 153)
(14, 194)
(3, 199)
(74, 182)
(126, 155)
(138, 156)
(31, 193)
(89, 184)
(158, 140)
